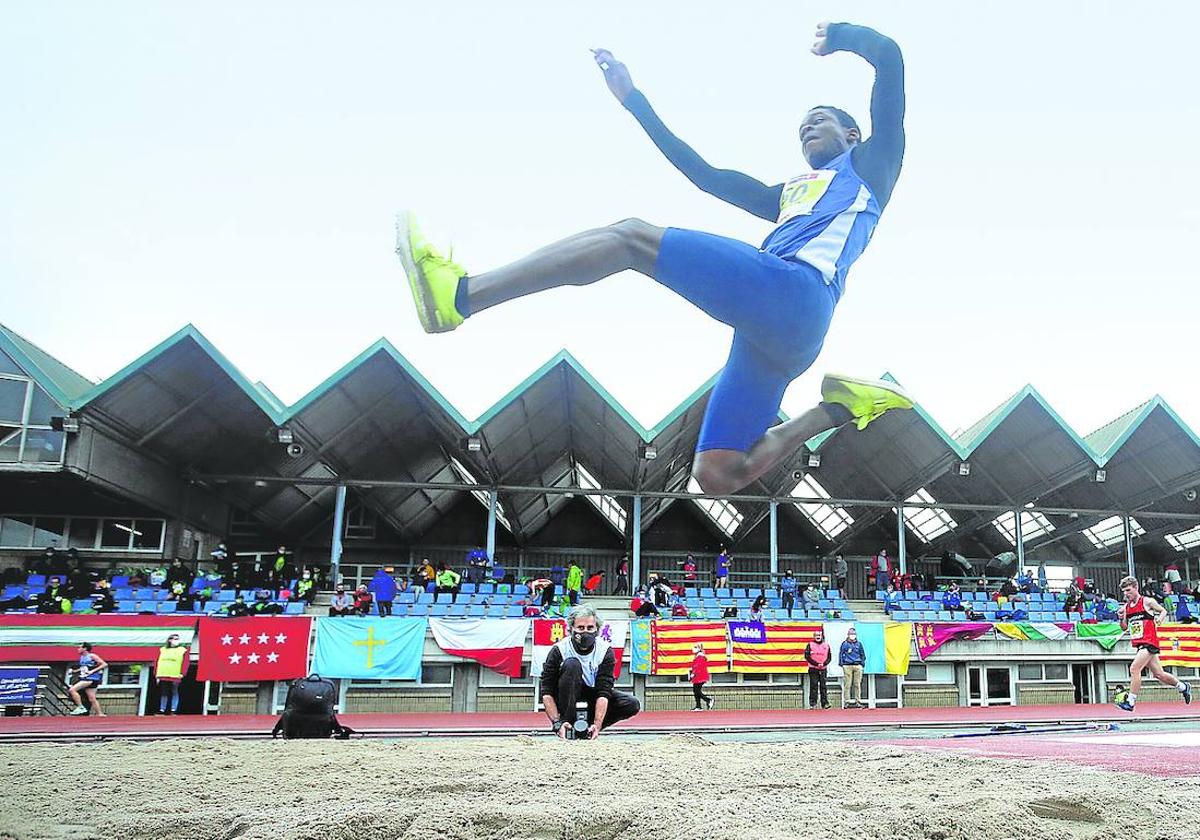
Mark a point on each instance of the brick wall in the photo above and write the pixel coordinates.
(120, 701)
(746, 697)
(928, 696)
(505, 699)
(237, 700)
(1041, 695)
(390, 701)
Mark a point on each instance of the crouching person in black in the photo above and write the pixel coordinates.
(580, 669)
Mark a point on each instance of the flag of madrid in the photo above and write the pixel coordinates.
(254, 648)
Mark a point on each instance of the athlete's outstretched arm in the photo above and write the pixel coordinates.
(878, 159)
(737, 188)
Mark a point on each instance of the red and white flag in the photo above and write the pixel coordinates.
(497, 643)
(26, 637)
(254, 648)
(547, 632)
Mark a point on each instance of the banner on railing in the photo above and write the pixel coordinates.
(665, 647)
(28, 637)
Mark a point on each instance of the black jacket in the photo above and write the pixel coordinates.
(553, 668)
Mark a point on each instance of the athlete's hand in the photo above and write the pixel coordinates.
(594, 731)
(821, 45)
(616, 75)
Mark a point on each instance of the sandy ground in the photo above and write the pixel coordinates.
(676, 786)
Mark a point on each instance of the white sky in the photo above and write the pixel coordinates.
(239, 168)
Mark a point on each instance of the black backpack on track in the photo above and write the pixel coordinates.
(308, 711)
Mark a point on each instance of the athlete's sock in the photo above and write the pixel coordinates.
(839, 413)
(1181, 687)
(1132, 697)
(460, 298)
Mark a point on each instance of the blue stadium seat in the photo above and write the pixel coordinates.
(14, 590)
(81, 604)
(419, 609)
(457, 611)
(707, 592)
(691, 592)
(775, 603)
(443, 598)
(514, 611)
(944, 615)
(118, 581)
(495, 612)
(223, 595)
(833, 593)
(126, 606)
(476, 611)
(712, 613)
(520, 589)
(408, 597)
(825, 604)
(401, 610)
(295, 608)
(487, 588)
(900, 615)
(847, 615)
(425, 598)
(740, 593)
(438, 610)
(466, 588)
(36, 580)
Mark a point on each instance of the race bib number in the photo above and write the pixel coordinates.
(1135, 629)
(802, 193)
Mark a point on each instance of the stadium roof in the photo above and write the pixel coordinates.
(379, 419)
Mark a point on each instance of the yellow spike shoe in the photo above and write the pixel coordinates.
(432, 277)
(865, 399)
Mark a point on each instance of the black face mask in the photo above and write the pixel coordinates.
(584, 642)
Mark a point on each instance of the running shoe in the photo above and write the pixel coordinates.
(866, 399)
(697, 709)
(712, 702)
(77, 711)
(1126, 705)
(432, 278)
(826, 706)
(1187, 693)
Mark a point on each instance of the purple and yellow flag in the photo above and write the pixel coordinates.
(931, 636)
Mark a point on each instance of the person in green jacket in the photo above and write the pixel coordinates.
(574, 583)
(447, 579)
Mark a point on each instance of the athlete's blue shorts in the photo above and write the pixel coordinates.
(779, 310)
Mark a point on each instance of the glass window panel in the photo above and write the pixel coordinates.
(437, 674)
(49, 530)
(756, 678)
(1033, 525)
(785, 678)
(116, 533)
(42, 408)
(1029, 672)
(927, 523)
(722, 513)
(1185, 539)
(1108, 532)
(10, 445)
(43, 446)
(12, 400)
(83, 533)
(887, 687)
(916, 673)
(7, 365)
(16, 531)
(483, 496)
(726, 677)
(609, 507)
(491, 678)
(1056, 671)
(148, 533)
(829, 520)
(122, 674)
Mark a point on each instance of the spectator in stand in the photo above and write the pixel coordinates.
(810, 598)
(281, 571)
(180, 595)
(178, 573)
(90, 666)
(1171, 575)
(1185, 609)
(542, 591)
(891, 599)
(642, 605)
(263, 605)
(103, 599)
(658, 590)
(679, 608)
(851, 657)
(881, 570)
(1042, 581)
(689, 567)
(342, 603)
(362, 600)
(787, 591)
(840, 571)
(723, 563)
(1024, 581)
(383, 588)
(897, 580)
(817, 655)
(574, 583)
(558, 574)
(622, 586)
(54, 600)
(168, 673)
(447, 580)
(952, 599)
(499, 573)
(222, 560)
(593, 583)
(699, 675)
(758, 607)
(306, 588)
(237, 607)
(477, 561)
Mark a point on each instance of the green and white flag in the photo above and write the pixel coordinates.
(1033, 630)
(1105, 633)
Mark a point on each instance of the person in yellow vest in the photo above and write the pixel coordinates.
(169, 670)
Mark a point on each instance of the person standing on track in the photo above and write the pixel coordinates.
(779, 298)
(699, 675)
(1141, 615)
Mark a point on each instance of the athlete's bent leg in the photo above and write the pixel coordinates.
(1140, 660)
(1161, 675)
(575, 261)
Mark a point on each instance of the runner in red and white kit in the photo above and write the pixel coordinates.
(1141, 616)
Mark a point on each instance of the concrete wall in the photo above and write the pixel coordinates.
(917, 695)
(1041, 694)
(396, 700)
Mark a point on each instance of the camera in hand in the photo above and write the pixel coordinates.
(578, 729)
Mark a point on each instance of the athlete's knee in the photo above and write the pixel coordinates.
(641, 241)
(717, 478)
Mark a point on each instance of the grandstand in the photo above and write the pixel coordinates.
(178, 450)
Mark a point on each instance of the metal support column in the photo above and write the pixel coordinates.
(1020, 536)
(335, 544)
(774, 543)
(636, 573)
(1128, 545)
(493, 500)
(902, 554)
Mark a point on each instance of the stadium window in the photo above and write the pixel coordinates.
(609, 508)
(927, 523)
(121, 675)
(781, 679)
(725, 677)
(1033, 525)
(1056, 671)
(437, 674)
(756, 678)
(1029, 672)
(723, 514)
(827, 519)
(1185, 539)
(1057, 577)
(25, 433)
(360, 523)
(483, 496)
(1111, 531)
(916, 673)
(147, 535)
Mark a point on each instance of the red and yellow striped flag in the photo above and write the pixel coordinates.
(1179, 645)
(672, 641)
(771, 647)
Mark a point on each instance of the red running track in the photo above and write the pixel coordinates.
(481, 723)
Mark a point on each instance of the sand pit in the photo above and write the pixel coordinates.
(676, 786)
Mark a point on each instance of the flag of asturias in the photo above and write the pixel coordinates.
(370, 648)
